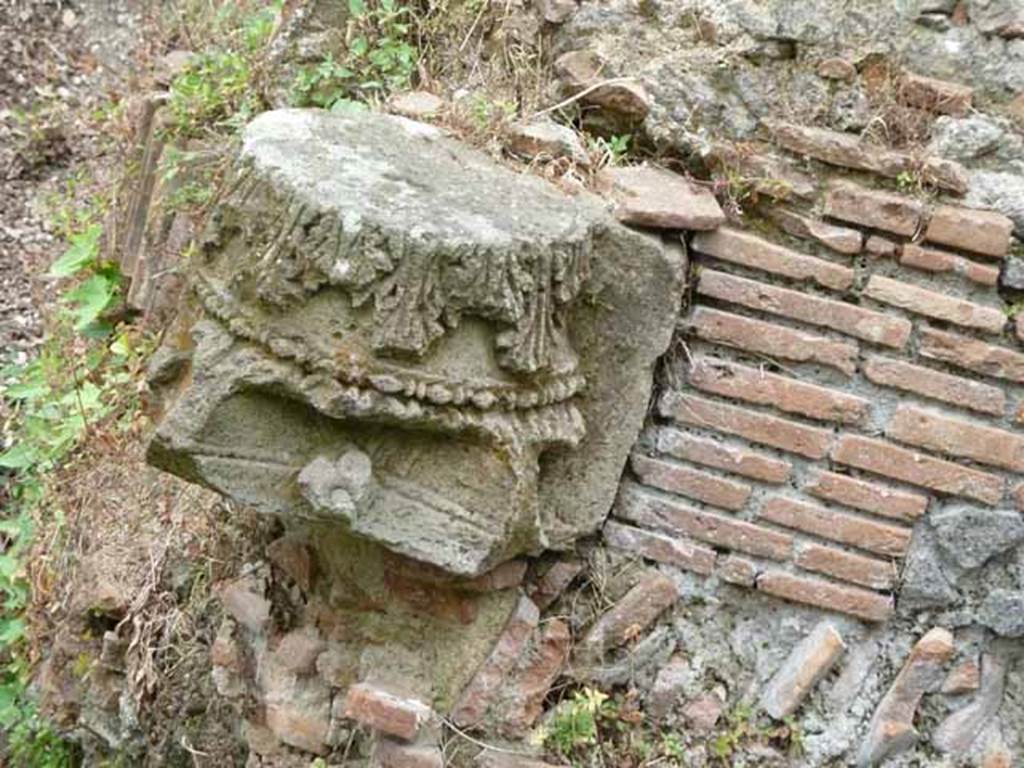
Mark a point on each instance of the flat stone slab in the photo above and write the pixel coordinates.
(393, 332)
(652, 197)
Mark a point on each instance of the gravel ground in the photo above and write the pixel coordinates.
(58, 61)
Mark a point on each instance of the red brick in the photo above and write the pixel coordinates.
(752, 251)
(631, 615)
(940, 261)
(880, 248)
(954, 390)
(939, 96)
(645, 508)
(954, 437)
(690, 482)
(738, 381)
(550, 586)
(847, 150)
(984, 232)
(811, 442)
(532, 680)
(847, 318)
(868, 497)
(860, 532)
(389, 753)
(874, 208)
(846, 566)
(491, 678)
(841, 239)
(937, 305)
(917, 469)
(737, 570)
(714, 453)
(771, 340)
(971, 354)
(385, 711)
(805, 666)
(854, 601)
(660, 548)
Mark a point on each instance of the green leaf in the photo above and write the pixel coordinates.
(83, 250)
(357, 7)
(91, 299)
(349, 107)
(21, 456)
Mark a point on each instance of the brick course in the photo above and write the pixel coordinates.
(984, 232)
(846, 318)
(944, 387)
(692, 483)
(751, 251)
(774, 341)
(881, 538)
(874, 208)
(933, 304)
(972, 355)
(846, 566)
(811, 442)
(714, 453)
(932, 260)
(830, 596)
(955, 437)
(868, 497)
(660, 548)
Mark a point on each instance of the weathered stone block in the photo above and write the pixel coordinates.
(402, 337)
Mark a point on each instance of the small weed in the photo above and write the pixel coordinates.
(613, 150)
(574, 724)
(379, 58)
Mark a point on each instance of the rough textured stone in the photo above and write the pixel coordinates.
(958, 731)
(556, 11)
(836, 69)
(340, 275)
(298, 708)
(668, 687)
(972, 536)
(545, 141)
(703, 713)
(892, 726)
(1003, 612)
(419, 105)
(621, 98)
(244, 599)
(963, 678)
(653, 197)
(806, 664)
(924, 580)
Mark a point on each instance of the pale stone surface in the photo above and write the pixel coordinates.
(892, 727)
(653, 197)
(973, 535)
(546, 140)
(809, 661)
(354, 365)
(419, 105)
(958, 731)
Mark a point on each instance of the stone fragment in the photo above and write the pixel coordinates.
(827, 523)
(739, 382)
(703, 713)
(417, 105)
(298, 709)
(997, 17)
(915, 468)
(986, 232)
(805, 666)
(757, 427)
(621, 97)
(653, 197)
(298, 650)
(1013, 274)
(954, 390)
(385, 711)
(841, 316)
(891, 730)
(934, 95)
(959, 731)
(924, 583)
(966, 138)
(963, 678)
(867, 497)
(532, 681)
(769, 339)
(836, 69)
(972, 354)
(504, 379)
(932, 260)
(770, 175)
(720, 455)
(1003, 612)
(390, 753)
(660, 548)
(556, 11)
(243, 599)
(669, 685)
(737, 570)
(826, 595)
(293, 557)
(546, 141)
(630, 616)
(840, 239)
(749, 250)
(874, 208)
(645, 508)
(973, 536)
(848, 151)
(956, 437)
(550, 586)
(488, 682)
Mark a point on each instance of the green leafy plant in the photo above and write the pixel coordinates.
(98, 291)
(575, 722)
(615, 149)
(378, 58)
